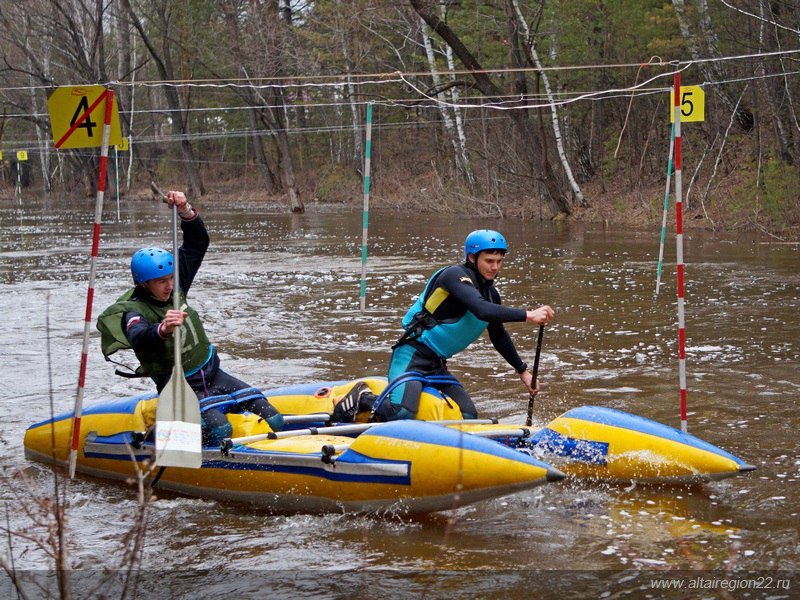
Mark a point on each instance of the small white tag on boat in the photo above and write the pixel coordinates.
(178, 444)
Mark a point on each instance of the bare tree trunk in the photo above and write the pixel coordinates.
(270, 110)
(131, 106)
(357, 156)
(533, 56)
(281, 118)
(763, 87)
(457, 138)
(337, 151)
(125, 59)
(253, 99)
(538, 166)
(163, 61)
(287, 163)
(261, 159)
(462, 136)
(41, 136)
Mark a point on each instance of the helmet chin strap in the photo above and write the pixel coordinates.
(473, 266)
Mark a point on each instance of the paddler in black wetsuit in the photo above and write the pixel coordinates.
(458, 304)
(143, 319)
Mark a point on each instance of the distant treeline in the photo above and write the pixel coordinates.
(486, 106)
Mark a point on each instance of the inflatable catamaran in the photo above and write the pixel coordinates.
(437, 462)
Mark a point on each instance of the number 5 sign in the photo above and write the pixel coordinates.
(693, 104)
(76, 117)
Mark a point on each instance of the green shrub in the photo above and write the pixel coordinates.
(779, 197)
(337, 183)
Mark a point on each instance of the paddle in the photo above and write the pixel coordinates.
(348, 429)
(529, 420)
(178, 431)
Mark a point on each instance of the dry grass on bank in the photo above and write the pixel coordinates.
(731, 205)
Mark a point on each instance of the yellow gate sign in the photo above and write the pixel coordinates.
(693, 104)
(77, 115)
(22, 155)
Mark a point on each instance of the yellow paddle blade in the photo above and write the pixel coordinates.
(178, 432)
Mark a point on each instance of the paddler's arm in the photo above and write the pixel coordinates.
(147, 337)
(464, 290)
(195, 238)
(502, 341)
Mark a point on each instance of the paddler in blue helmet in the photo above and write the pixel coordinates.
(458, 303)
(143, 319)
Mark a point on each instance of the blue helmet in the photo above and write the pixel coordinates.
(151, 263)
(484, 239)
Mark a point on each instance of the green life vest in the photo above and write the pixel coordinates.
(196, 347)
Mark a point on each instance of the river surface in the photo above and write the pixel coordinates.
(279, 294)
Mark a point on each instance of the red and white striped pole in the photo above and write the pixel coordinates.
(98, 214)
(679, 250)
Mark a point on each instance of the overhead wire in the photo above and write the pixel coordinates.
(422, 100)
(433, 100)
(364, 79)
(507, 101)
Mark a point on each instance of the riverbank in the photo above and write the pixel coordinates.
(729, 209)
(638, 208)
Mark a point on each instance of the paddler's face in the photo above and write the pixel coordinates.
(488, 263)
(160, 288)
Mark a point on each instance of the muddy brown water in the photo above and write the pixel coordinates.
(279, 294)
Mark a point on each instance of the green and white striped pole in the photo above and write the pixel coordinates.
(365, 230)
(116, 174)
(666, 209)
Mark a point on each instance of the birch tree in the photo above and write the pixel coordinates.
(454, 127)
(537, 163)
(533, 57)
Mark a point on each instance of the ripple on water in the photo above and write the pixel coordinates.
(280, 298)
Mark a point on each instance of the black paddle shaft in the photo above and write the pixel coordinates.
(535, 373)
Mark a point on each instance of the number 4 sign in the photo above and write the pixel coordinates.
(76, 117)
(693, 104)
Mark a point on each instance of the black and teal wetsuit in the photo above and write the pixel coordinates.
(457, 305)
(133, 322)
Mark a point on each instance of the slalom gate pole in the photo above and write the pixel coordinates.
(535, 373)
(116, 177)
(365, 226)
(666, 208)
(679, 250)
(18, 186)
(98, 215)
